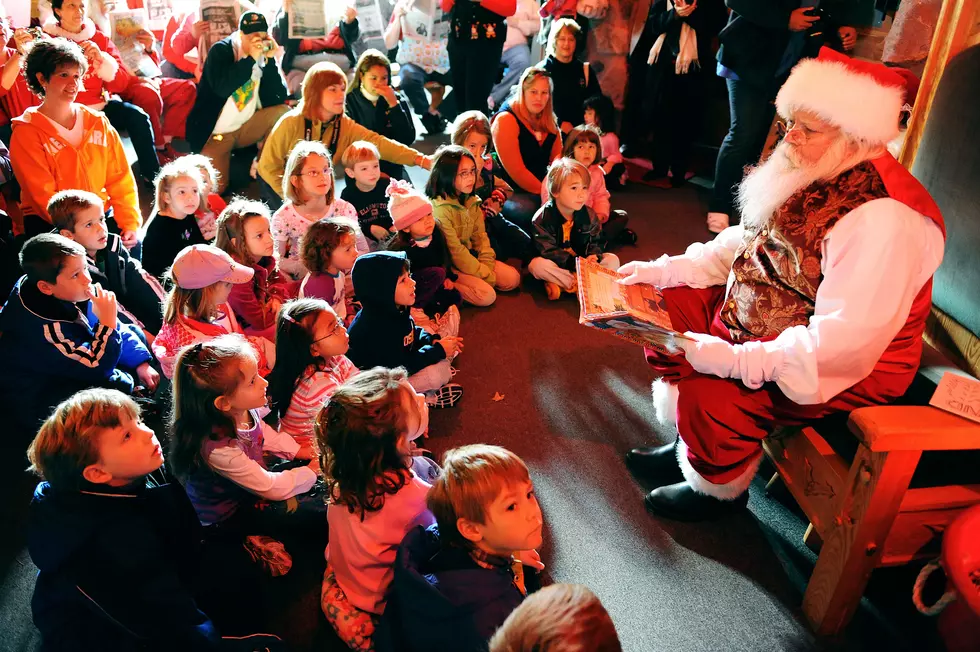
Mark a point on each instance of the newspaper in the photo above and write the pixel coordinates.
(425, 21)
(635, 313)
(372, 16)
(158, 13)
(222, 17)
(124, 25)
(308, 19)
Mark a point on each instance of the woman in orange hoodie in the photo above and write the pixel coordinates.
(63, 145)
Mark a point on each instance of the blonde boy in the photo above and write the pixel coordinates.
(456, 582)
(366, 189)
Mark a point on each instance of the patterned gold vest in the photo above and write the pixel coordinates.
(777, 268)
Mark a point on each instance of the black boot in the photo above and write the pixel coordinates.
(434, 124)
(680, 502)
(655, 466)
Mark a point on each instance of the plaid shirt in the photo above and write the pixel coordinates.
(504, 565)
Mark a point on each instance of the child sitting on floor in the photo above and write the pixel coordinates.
(310, 364)
(172, 225)
(366, 190)
(558, 618)
(78, 215)
(437, 300)
(108, 536)
(61, 334)
(457, 212)
(308, 190)
(472, 131)
(456, 582)
(582, 144)
(384, 334)
(196, 308)
(565, 228)
(245, 234)
(212, 203)
(329, 251)
(377, 492)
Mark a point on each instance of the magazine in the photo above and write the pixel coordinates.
(124, 25)
(635, 313)
(222, 17)
(308, 19)
(158, 12)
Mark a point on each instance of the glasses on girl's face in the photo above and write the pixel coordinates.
(316, 174)
(338, 325)
(466, 174)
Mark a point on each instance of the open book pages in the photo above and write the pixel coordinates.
(635, 313)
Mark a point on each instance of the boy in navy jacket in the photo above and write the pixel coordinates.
(383, 334)
(457, 581)
(61, 333)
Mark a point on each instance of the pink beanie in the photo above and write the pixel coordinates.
(406, 204)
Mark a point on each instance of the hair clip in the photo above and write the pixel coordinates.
(289, 318)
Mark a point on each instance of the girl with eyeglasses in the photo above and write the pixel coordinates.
(310, 345)
(460, 218)
(244, 232)
(309, 193)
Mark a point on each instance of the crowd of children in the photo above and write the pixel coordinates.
(293, 353)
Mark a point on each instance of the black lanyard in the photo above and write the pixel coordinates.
(334, 137)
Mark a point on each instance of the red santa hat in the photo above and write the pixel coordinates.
(864, 99)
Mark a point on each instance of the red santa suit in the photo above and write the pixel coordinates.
(818, 309)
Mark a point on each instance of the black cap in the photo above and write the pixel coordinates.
(252, 22)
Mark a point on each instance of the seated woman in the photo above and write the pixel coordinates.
(574, 82)
(517, 53)
(374, 104)
(63, 145)
(422, 61)
(526, 140)
(320, 116)
(106, 75)
(301, 54)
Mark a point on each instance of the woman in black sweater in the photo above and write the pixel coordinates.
(373, 103)
(573, 80)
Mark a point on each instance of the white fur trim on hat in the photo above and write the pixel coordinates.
(729, 490)
(855, 101)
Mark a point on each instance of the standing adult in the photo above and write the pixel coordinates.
(814, 304)
(374, 104)
(526, 140)
(320, 116)
(477, 30)
(240, 96)
(760, 45)
(573, 80)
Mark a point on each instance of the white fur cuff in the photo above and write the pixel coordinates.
(729, 490)
(665, 402)
(108, 68)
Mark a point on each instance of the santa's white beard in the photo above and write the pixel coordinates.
(771, 183)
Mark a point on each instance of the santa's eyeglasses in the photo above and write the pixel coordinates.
(783, 127)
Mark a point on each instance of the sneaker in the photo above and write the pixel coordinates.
(553, 290)
(434, 124)
(627, 237)
(445, 397)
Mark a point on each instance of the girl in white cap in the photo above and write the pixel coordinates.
(196, 308)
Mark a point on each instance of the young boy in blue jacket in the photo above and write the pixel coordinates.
(117, 545)
(383, 334)
(61, 333)
(457, 581)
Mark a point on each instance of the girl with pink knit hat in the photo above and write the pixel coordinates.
(437, 301)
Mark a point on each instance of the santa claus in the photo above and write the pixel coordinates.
(815, 304)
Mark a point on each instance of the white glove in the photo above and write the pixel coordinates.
(709, 355)
(652, 272)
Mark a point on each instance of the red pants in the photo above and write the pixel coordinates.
(723, 422)
(167, 101)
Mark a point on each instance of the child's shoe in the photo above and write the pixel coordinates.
(627, 237)
(553, 290)
(445, 397)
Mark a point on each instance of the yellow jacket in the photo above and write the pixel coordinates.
(466, 236)
(291, 129)
(44, 164)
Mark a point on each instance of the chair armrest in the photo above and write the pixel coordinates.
(913, 427)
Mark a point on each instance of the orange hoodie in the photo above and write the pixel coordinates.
(44, 164)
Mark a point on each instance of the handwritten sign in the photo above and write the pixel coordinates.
(959, 395)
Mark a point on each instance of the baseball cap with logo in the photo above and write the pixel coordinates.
(199, 266)
(252, 22)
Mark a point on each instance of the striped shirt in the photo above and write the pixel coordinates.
(313, 389)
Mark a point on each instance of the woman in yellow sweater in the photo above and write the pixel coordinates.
(320, 116)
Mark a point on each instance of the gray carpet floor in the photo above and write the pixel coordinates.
(575, 401)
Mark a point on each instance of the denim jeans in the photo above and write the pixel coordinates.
(752, 111)
(136, 123)
(514, 61)
(412, 80)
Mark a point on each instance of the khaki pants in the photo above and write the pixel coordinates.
(219, 146)
(478, 292)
